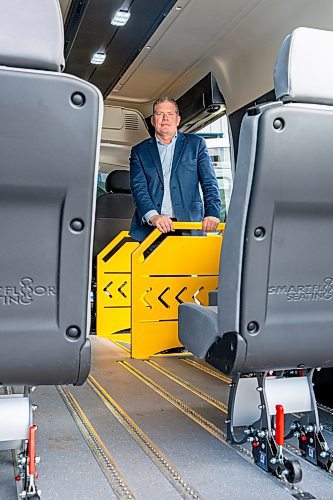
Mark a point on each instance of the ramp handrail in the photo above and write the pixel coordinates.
(188, 226)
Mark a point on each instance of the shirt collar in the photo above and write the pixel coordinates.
(162, 143)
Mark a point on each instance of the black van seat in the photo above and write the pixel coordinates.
(114, 209)
(275, 288)
(275, 292)
(49, 131)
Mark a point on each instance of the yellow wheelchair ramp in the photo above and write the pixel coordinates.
(181, 269)
(114, 288)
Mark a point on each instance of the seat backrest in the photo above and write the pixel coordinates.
(276, 285)
(49, 140)
(114, 210)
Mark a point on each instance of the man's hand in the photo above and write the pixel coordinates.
(162, 222)
(209, 224)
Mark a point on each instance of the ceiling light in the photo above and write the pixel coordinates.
(120, 18)
(98, 58)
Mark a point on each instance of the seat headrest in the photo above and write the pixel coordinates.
(31, 34)
(118, 181)
(304, 70)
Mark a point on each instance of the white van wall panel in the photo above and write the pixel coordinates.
(122, 128)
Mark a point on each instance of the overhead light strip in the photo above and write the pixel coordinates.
(120, 18)
(98, 58)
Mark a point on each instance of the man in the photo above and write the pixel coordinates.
(166, 171)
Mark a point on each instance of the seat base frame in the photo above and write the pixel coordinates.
(251, 415)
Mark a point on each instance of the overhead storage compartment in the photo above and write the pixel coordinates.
(201, 104)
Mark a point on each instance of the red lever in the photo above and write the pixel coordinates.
(279, 425)
(32, 450)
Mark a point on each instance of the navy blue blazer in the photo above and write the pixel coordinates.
(191, 166)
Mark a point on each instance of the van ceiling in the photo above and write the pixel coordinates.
(88, 29)
(167, 46)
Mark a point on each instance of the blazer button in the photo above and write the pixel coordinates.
(162, 188)
(158, 204)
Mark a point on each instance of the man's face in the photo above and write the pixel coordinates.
(165, 119)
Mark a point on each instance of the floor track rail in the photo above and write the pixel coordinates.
(213, 401)
(206, 369)
(180, 405)
(329, 411)
(110, 469)
(294, 490)
(160, 460)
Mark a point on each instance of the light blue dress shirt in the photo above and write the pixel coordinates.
(166, 152)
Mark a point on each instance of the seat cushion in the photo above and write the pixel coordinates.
(197, 328)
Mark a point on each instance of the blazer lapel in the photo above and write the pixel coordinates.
(179, 149)
(153, 151)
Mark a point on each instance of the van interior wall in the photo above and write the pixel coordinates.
(122, 128)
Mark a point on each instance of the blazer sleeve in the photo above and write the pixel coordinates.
(208, 182)
(139, 186)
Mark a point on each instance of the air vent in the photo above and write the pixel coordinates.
(131, 121)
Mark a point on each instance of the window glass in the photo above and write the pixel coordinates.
(101, 183)
(217, 139)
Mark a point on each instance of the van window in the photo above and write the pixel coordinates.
(216, 136)
(101, 184)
